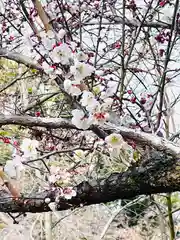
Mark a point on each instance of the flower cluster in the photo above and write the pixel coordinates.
(14, 166)
(57, 174)
(67, 193)
(96, 112)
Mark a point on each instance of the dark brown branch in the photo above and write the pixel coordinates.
(157, 174)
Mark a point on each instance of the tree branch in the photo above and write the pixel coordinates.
(128, 133)
(19, 58)
(131, 23)
(28, 121)
(157, 174)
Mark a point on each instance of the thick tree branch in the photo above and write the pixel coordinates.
(157, 174)
(28, 121)
(128, 133)
(145, 138)
(19, 58)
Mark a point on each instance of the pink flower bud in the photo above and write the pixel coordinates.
(37, 114)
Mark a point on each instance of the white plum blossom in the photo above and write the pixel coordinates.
(29, 147)
(80, 120)
(48, 39)
(81, 70)
(81, 56)
(107, 104)
(52, 206)
(61, 54)
(47, 200)
(72, 87)
(69, 192)
(10, 169)
(73, 46)
(52, 178)
(110, 91)
(58, 174)
(54, 169)
(87, 98)
(66, 192)
(61, 33)
(114, 152)
(47, 68)
(17, 161)
(79, 154)
(73, 8)
(27, 44)
(114, 140)
(94, 106)
(100, 118)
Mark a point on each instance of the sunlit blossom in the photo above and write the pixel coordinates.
(114, 140)
(87, 98)
(94, 106)
(72, 87)
(107, 104)
(48, 39)
(79, 154)
(81, 70)
(10, 169)
(110, 90)
(80, 120)
(61, 54)
(29, 147)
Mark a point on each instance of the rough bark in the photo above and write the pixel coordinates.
(157, 174)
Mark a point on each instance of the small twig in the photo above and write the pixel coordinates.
(115, 214)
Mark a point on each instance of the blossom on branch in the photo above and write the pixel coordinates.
(69, 192)
(72, 87)
(61, 54)
(114, 140)
(80, 120)
(81, 70)
(29, 147)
